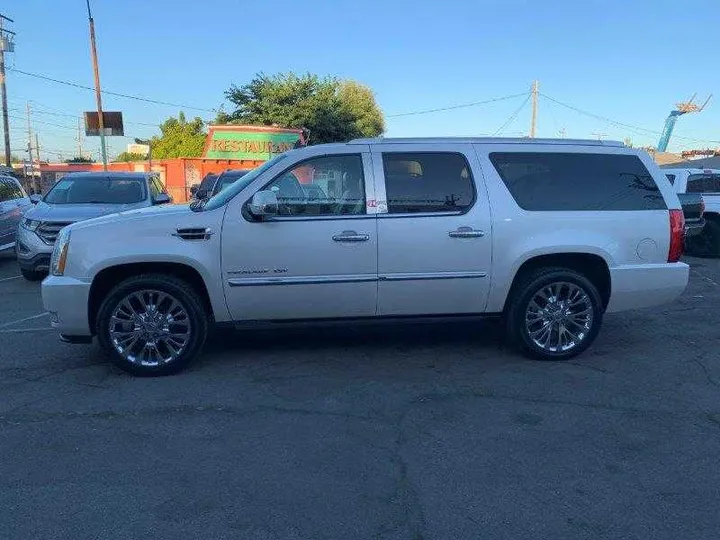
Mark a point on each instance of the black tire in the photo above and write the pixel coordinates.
(33, 275)
(707, 243)
(522, 294)
(184, 293)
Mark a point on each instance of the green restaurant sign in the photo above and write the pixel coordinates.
(257, 143)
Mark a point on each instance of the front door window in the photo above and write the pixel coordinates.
(323, 186)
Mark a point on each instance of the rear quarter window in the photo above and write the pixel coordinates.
(554, 181)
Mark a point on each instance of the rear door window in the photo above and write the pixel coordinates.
(422, 182)
(703, 183)
(555, 181)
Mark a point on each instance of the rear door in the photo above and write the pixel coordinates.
(434, 230)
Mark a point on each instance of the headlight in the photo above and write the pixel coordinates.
(59, 254)
(30, 224)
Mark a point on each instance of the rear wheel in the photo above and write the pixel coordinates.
(707, 243)
(152, 325)
(32, 275)
(554, 314)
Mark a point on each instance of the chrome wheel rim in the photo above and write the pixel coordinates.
(559, 317)
(150, 328)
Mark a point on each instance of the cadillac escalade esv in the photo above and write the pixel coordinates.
(549, 234)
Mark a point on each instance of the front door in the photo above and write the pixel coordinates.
(318, 257)
(434, 230)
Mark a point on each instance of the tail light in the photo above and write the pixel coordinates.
(677, 235)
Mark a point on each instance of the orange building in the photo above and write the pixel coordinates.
(226, 147)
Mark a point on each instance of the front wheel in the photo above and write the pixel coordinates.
(554, 314)
(152, 325)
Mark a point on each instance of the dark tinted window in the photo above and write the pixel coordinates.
(97, 190)
(703, 183)
(155, 187)
(671, 177)
(573, 181)
(227, 179)
(427, 182)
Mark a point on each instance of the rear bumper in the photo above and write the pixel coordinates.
(646, 285)
(66, 299)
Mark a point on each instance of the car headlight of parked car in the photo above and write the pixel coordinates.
(30, 224)
(59, 254)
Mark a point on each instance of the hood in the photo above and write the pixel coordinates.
(74, 212)
(140, 213)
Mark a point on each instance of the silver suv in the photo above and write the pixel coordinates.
(77, 197)
(548, 234)
(14, 202)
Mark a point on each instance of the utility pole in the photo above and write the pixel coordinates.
(79, 140)
(29, 149)
(3, 90)
(533, 122)
(37, 149)
(98, 97)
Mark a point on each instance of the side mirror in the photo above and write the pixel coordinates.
(264, 204)
(35, 198)
(162, 198)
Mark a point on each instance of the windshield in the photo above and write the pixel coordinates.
(236, 187)
(96, 190)
(228, 179)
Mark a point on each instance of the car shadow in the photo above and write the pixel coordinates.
(481, 337)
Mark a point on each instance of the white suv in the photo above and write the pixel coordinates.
(550, 234)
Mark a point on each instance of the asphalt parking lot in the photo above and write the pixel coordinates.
(402, 432)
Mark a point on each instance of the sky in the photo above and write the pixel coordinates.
(625, 61)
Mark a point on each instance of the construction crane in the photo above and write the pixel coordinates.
(683, 107)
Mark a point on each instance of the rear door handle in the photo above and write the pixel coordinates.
(351, 236)
(466, 232)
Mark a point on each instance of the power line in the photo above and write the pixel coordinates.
(512, 117)
(452, 107)
(108, 92)
(43, 122)
(622, 124)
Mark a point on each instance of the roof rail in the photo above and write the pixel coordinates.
(485, 140)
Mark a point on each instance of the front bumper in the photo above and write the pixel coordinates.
(32, 253)
(66, 299)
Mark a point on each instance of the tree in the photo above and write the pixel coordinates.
(330, 109)
(130, 156)
(80, 159)
(179, 138)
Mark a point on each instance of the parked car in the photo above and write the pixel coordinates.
(213, 184)
(77, 197)
(549, 234)
(14, 202)
(705, 183)
(693, 207)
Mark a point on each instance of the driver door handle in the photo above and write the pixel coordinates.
(466, 232)
(351, 236)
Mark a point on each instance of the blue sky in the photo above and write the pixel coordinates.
(628, 61)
